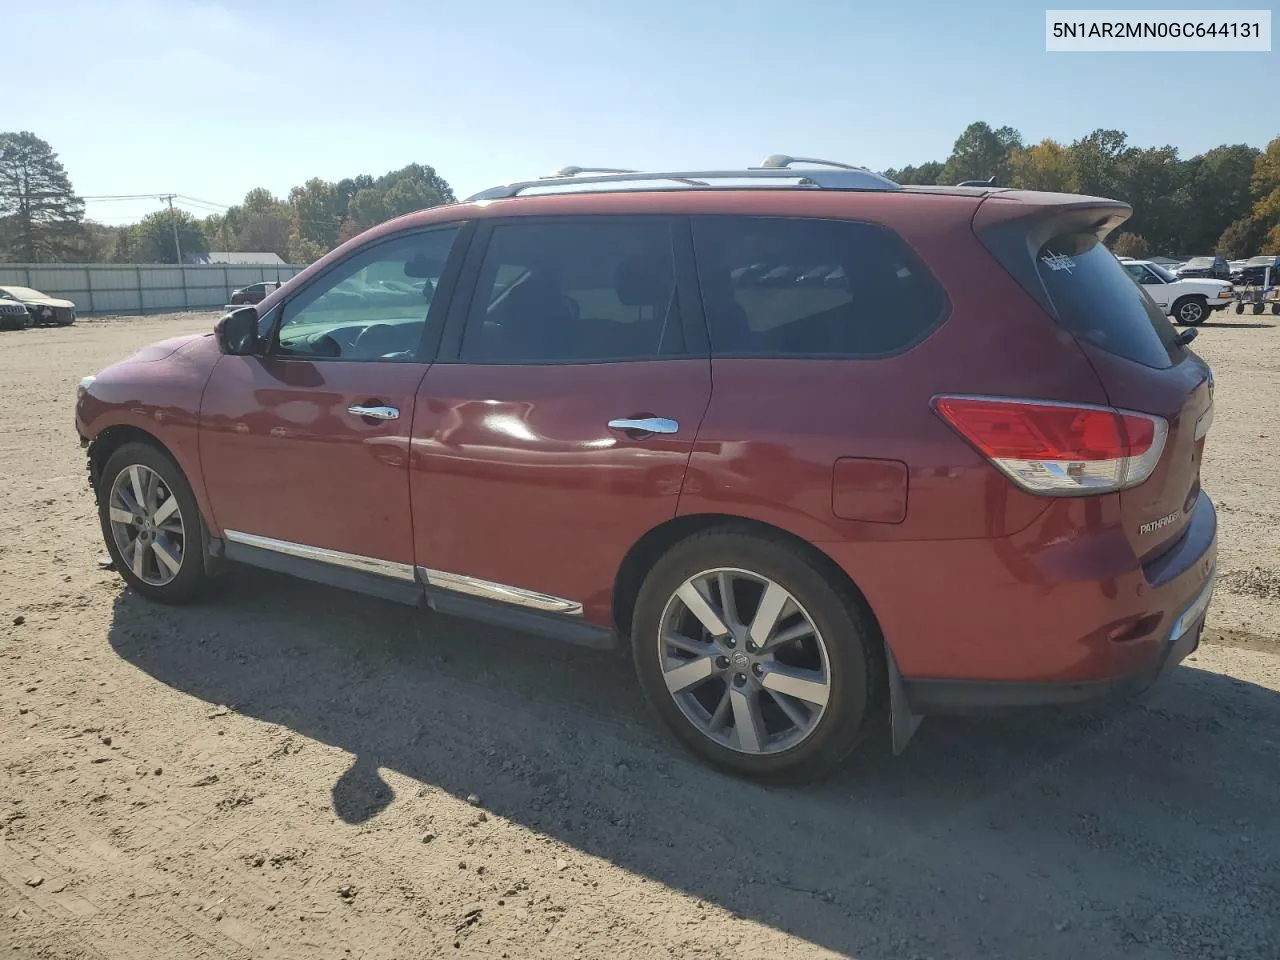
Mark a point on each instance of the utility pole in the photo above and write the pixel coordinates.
(174, 223)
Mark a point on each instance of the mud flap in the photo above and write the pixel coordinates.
(902, 722)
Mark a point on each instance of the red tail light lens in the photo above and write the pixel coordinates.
(1059, 449)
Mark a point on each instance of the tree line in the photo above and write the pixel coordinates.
(43, 220)
(1224, 201)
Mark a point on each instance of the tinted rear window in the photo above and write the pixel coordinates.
(775, 286)
(1098, 301)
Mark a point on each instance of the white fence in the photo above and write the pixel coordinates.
(139, 287)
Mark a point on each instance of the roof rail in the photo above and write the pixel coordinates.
(773, 172)
(574, 171)
(776, 161)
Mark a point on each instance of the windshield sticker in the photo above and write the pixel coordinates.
(1058, 261)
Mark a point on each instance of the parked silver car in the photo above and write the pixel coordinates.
(43, 308)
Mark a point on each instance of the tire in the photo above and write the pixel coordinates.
(1239, 306)
(1257, 309)
(793, 738)
(1275, 309)
(159, 579)
(1191, 311)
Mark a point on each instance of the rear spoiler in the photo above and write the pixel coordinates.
(1014, 230)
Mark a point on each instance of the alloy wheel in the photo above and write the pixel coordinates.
(1191, 313)
(147, 525)
(744, 661)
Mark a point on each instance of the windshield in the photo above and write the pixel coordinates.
(1163, 274)
(20, 293)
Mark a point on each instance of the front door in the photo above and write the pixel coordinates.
(305, 449)
(555, 429)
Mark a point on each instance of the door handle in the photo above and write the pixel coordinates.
(375, 412)
(645, 425)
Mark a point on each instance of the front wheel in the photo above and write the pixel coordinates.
(151, 524)
(1191, 311)
(753, 657)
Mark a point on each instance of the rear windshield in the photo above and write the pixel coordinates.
(1098, 301)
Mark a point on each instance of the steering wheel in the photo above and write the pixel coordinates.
(377, 340)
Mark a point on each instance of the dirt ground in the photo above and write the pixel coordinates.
(291, 771)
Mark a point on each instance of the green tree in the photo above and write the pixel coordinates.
(38, 207)
(1096, 163)
(1044, 166)
(980, 153)
(97, 243)
(1241, 239)
(1266, 191)
(394, 194)
(262, 223)
(926, 173)
(1130, 245)
(152, 240)
(1217, 194)
(316, 210)
(1151, 182)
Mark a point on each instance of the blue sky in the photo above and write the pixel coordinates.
(210, 98)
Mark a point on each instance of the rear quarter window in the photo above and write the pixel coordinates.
(781, 286)
(1095, 298)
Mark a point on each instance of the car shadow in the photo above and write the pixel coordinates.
(1237, 325)
(1146, 829)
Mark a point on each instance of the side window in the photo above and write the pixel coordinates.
(373, 306)
(1137, 271)
(807, 287)
(1150, 278)
(575, 292)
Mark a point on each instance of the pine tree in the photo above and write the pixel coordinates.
(40, 212)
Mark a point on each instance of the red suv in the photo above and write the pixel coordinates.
(813, 446)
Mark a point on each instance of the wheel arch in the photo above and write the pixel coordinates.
(111, 438)
(646, 551)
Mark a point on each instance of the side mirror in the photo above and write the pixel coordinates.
(237, 333)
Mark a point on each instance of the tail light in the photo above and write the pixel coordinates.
(1059, 449)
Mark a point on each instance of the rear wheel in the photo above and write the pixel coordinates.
(753, 658)
(1257, 309)
(1191, 311)
(151, 524)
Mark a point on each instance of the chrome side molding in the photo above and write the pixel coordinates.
(352, 561)
(501, 592)
(407, 573)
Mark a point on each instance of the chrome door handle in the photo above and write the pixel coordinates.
(374, 413)
(645, 425)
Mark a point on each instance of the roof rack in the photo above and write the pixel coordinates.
(775, 171)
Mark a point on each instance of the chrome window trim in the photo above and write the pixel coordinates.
(351, 561)
(501, 592)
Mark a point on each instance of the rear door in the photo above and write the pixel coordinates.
(555, 428)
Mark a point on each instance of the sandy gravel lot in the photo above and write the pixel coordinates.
(290, 771)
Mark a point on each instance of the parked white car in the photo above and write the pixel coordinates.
(1189, 301)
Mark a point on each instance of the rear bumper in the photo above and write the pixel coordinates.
(1061, 612)
(978, 696)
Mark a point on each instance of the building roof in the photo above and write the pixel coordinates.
(221, 256)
